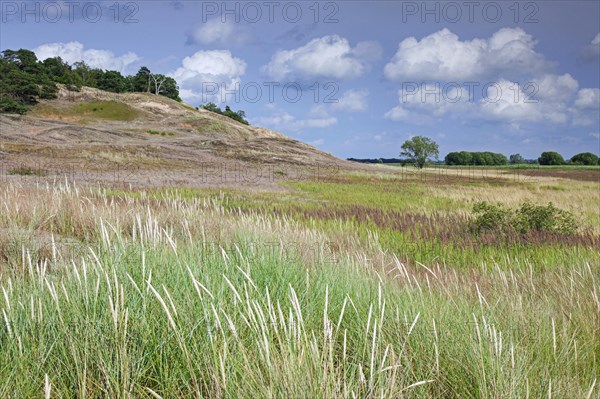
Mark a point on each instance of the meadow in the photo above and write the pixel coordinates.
(364, 284)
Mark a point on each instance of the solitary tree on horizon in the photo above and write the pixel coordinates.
(419, 149)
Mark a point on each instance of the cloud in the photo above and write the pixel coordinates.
(591, 52)
(216, 68)
(397, 114)
(215, 31)
(586, 109)
(283, 121)
(72, 52)
(546, 99)
(555, 88)
(325, 57)
(353, 101)
(496, 63)
(443, 56)
(588, 99)
(317, 142)
(510, 103)
(421, 104)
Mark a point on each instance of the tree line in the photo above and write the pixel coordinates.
(554, 158)
(475, 158)
(490, 158)
(419, 150)
(24, 80)
(239, 116)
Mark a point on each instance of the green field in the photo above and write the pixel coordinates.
(360, 285)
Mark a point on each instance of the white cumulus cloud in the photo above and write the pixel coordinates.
(326, 57)
(443, 56)
(72, 52)
(209, 71)
(509, 102)
(546, 99)
(352, 100)
(588, 99)
(586, 109)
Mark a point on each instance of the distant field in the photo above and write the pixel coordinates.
(517, 172)
(363, 284)
(510, 166)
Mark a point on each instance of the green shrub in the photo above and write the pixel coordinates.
(491, 216)
(528, 217)
(551, 158)
(544, 218)
(585, 158)
(238, 116)
(10, 106)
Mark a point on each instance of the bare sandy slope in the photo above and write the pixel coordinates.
(153, 141)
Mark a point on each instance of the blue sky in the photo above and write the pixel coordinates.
(354, 78)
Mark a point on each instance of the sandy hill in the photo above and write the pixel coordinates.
(147, 139)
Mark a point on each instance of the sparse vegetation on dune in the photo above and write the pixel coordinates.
(111, 110)
(151, 139)
(347, 287)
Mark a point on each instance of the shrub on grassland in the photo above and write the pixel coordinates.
(528, 217)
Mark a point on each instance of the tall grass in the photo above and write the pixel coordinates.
(182, 297)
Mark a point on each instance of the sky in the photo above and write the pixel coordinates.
(353, 78)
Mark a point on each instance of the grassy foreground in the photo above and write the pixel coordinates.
(181, 293)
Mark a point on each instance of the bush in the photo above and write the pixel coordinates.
(585, 158)
(491, 217)
(516, 159)
(238, 116)
(551, 158)
(10, 106)
(527, 218)
(544, 218)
